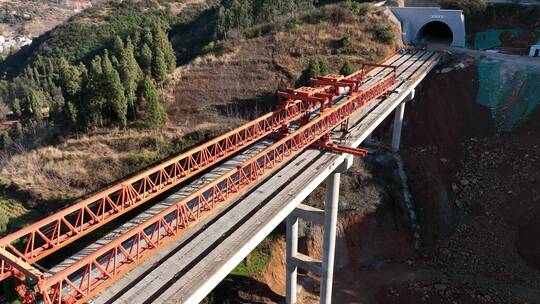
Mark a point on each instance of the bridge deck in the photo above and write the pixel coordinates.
(186, 270)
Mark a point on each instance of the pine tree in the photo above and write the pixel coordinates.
(16, 107)
(130, 75)
(5, 141)
(90, 113)
(159, 67)
(35, 105)
(148, 37)
(161, 42)
(323, 67)
(137, 39)
(37, 76)
(70, 112)
(56, 106)
(222, 23)
(118, 46)
(347, 68)
(145, 60)
(19, 132)
(114, 91)
(69, 78)
(151, 111)
(313, 70)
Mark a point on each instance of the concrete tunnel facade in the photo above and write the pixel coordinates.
(431, 24)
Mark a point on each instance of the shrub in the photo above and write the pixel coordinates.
(384, 33)
(5, 141)
(346, 40)
(260, 30)
(317, 66)
(359, 9)
(347, 68)
(468, 6)
(216, 47)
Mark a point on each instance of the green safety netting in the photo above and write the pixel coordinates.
(491, 38)
(511, 94)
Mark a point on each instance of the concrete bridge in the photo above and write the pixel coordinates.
(191, 267)
(181, 247)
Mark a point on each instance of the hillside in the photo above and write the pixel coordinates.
(33, 18)
(218, 85)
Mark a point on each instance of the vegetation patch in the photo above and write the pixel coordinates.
(13, 215)
(255, 262)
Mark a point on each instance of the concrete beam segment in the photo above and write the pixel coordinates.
(346, 165)
(329, 243)
(308, 263)
(291, 251)
(310, 214)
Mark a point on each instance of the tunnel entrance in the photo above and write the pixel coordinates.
(435, 32)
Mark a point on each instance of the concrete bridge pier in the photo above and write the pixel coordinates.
(328, 218)
(291, 250)
(398, 122)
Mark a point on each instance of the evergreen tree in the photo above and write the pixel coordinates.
(148, 37)
(29, 73)
(114, 91)
(115, 62)
(5, 141)
(16, 107)
(37, 76)
(151, 111)
(159, 67)
(70, 112)
(69, 78)
(137, 39)
(35, 105)
(56, 106)
(19, 132)
(323, 67)
(161, 42)
(235, 14)
(118, 46)
(222, 23)
(347, 68)
(317, 66)
(90, 113)
(145, 60)
(130, 75)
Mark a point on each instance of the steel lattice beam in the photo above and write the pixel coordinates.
(48, 235)
(99, 269)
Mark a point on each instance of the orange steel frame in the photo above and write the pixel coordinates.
(99, 269)
(44, 237)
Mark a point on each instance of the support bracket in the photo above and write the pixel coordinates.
(20, 265)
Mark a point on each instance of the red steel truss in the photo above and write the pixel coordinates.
(44, 237)
(84, 278)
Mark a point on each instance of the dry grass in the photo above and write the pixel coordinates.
(84, 164)
(292, 47)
